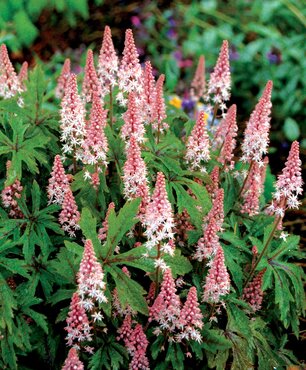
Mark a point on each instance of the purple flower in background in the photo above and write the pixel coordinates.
(274, 56)
(135, 21)
(188, 104)
(172, 34)
(233, 53)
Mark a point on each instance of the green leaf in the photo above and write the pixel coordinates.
(129, 292)
(291, 129)
(25, 29)
(119, 225)
(179, 264)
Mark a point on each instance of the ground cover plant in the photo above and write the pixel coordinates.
(136, 236)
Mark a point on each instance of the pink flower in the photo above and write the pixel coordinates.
(289, 185)
(103, 230)
(159, 221)
(159, 111)
(198, 82)
(125, 330)
(63, 79)
(220, 79)
(108, 63)
(253, 293)
(166, 307)
(91, 286)
(137, 346)
(209, 243)
(135, 180)
(95, 145)
(198, 145)
(149, 94)
(72, 117)
(9, 82)
(9, 196)
(214, 186)
(69, 216)
(72, 361)
(252, 190)
(58, 182)
(133, 121)
(23, 75)
(182, 226)
(229, 141)
(91, 85)
(217, 282)
(78, 327)
(130, 73)
(256, 135)
(191, 318)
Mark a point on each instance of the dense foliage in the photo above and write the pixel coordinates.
(130, 232)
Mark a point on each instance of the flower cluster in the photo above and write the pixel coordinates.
(208, 245)
(91, 286)
(198, 82)
(135, 176)
(108, 63)
(102, 235)
(130, 73)
(72, 117)
(91, 85)
(9, 81)
(198, 145)
(256, 135)
(133, 121)
(159, 221)
(72, 361)
(63, 79)
(220, 79)
(217, 283)
(58, 182)
(69, 216)
(253, 293)
(159, 108)
(78, 327)
(289, 184)
(10, 194)
(149, 93)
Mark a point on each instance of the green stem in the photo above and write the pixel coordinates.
(215, 114)
(157, 271)
(110, 106)
(276, 222)
(245, 180)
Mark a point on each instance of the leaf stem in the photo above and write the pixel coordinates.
(110, 106)
(276, 222)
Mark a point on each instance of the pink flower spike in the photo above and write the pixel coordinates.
(133, 121)
(289, 185)
(23, 75)
(72, 361)
(149, 93)
(214, 186)
(58, 182)
(166, 308)
(9, 196)
(125, 330)
(229, 143)
(159, 111)
(137, 346)
(159, 220)
(95, 145)
(220, 79)
(198, 145)
(198, 82)
(103, 230)
(208, 245)
(9, 82)
(69, 216)
(256, 135)
(78, 327)
(217, 282)
(252, 191)
(63, 79)
(72, 117)
(108, 63)
(130, 73)
(253, 293)
(91, 86)
(135, 180)
(191, 318)
(91, 286)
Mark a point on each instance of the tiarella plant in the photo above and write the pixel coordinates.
(172, 256)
